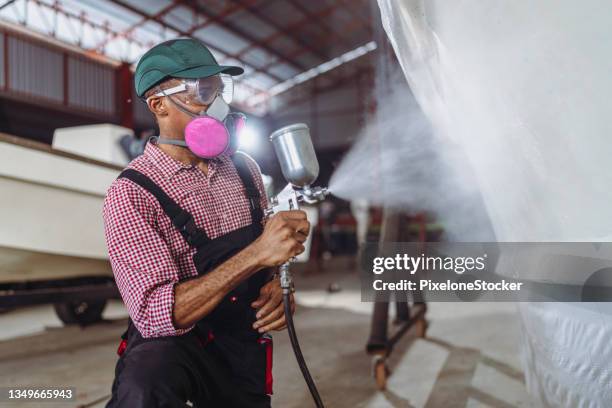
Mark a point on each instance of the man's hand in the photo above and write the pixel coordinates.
(282, 238)
(269, 305)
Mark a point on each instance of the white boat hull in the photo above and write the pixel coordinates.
(51, 208)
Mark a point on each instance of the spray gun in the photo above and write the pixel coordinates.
(295, 152)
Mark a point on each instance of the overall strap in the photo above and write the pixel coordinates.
(252, 192)
(181, 219)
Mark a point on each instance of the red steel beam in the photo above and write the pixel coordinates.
(367, 23)
(57, 8)
(320, 22)
(299, 51)
(368, 70)
(348, 28)
(183, 32)
(284, 31)
(125, 33)
(330, 113)
(245, 36)
(364, 71)
(219, 17)
(298, 24)
(124, 84)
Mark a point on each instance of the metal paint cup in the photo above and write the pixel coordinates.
(296, 154)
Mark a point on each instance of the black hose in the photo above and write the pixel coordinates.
(298, 352)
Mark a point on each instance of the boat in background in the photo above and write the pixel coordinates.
(52, 247)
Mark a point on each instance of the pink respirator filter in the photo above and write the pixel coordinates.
(206, 137)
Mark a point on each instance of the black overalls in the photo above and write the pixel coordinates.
(223, 361)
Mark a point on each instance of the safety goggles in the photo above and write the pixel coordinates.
(203, 91)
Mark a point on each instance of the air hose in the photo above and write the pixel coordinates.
(296, 349)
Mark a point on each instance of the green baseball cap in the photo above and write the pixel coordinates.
(179, 58)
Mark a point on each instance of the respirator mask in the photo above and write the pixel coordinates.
(213, 131)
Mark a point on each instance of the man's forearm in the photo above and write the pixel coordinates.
(196, 298)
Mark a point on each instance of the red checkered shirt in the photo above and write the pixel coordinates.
(147, 253)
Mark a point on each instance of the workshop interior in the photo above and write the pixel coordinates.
(387, 123)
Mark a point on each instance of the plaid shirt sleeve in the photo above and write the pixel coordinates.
(144, 269)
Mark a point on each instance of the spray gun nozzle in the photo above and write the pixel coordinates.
(313, 195)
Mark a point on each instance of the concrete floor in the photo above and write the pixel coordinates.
(469, 359)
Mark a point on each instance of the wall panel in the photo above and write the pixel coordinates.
(34, 70)
(91, 85)
(1, 59)
(142, 116)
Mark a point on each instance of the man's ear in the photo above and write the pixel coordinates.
(157, 105)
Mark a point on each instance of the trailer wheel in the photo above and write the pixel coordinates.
(80, 312)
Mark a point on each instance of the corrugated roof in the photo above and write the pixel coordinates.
(274, 40)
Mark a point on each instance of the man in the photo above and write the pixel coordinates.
(188, 247)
